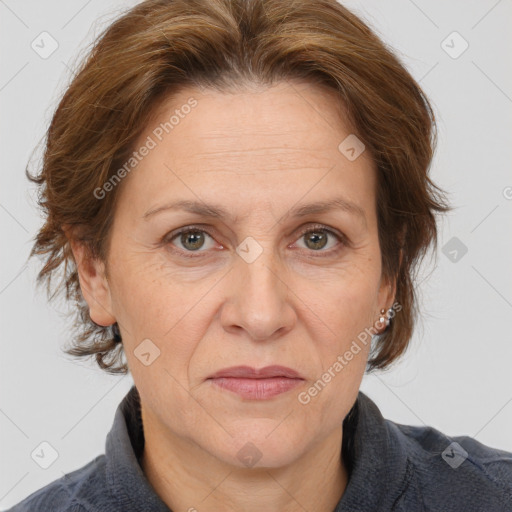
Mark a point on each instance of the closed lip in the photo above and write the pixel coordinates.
(248, 372)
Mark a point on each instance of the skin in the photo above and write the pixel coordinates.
(258, 153)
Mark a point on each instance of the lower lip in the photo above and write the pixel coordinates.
(257, 389)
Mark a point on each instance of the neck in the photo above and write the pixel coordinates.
(187, 478)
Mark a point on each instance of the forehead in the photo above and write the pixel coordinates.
(258, 119)
(261, 146)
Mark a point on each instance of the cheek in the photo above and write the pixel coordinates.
(152, 302)
(144, 289)
(339, 321)
(339, 316)
(345, 299)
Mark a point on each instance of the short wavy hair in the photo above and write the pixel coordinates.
(159, 47)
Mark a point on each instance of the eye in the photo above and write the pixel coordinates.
(191, 238)
(316, 238)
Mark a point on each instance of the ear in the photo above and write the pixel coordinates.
(387, 290)
(387, 293)
(93, 283)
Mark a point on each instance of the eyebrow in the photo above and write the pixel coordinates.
(217, 211)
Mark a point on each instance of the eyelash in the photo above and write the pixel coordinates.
(315, 228)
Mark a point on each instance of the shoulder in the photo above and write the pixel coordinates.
(73, 492)
(450, 470)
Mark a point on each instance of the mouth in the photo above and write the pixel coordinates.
(257, 384)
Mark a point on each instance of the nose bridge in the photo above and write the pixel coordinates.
(258, 267)
(261, 304)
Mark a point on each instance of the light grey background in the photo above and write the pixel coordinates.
(457, 375)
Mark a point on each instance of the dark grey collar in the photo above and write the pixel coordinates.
(123, 448)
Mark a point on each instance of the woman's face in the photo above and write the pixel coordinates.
(266, 282)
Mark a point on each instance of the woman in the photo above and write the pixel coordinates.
(238, 193)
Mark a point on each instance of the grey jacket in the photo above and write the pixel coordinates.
(392, 467)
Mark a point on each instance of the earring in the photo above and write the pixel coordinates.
(384, 319)
(116, 333)
(390, 316)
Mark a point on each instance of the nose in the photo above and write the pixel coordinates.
(259, 300)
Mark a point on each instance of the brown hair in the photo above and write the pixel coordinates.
(161, 46)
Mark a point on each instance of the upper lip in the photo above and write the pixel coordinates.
(247, 372)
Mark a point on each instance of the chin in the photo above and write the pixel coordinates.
(260, 446)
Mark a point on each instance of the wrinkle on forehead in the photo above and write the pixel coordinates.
(243, 133)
